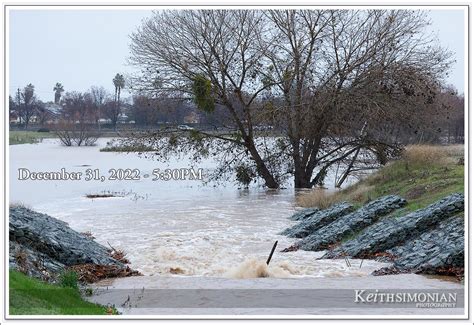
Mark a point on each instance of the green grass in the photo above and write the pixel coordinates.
(29, 296)
(425, 175)
(421, 185)
(22, 137)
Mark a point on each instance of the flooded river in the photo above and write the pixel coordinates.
(179, 233)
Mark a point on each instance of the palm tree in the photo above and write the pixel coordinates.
(119, 83)
(58, 90)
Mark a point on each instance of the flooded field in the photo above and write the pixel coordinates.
(181, 233)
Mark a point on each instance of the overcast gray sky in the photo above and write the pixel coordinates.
(81, 48)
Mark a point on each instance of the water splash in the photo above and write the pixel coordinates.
(253, 268)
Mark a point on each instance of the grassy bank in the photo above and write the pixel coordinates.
(29, 296)
(22, 137)
(423, 175)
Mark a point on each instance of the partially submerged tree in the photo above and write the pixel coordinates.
(330, 84)
(78, 116)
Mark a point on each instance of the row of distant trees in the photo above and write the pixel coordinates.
(97, 104)
(72, 106)
(444, 123)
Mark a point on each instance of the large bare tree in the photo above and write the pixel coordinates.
(330, 84)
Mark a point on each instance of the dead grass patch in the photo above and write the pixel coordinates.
(427, 154)
(318, 198)
(323, 199)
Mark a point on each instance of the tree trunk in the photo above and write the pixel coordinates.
(118, 109)
(27, 117)
(301, 181)
(262, 169)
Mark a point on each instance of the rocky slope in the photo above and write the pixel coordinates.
(316, 220)
(429, 240)
(42, 247)
(391, 232)
(438, 251)
(350, 223)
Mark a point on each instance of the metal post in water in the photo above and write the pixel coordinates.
(271, 253)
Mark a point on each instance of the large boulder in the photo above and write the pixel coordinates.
(351, 223)
(318, 220)
(390, 232)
